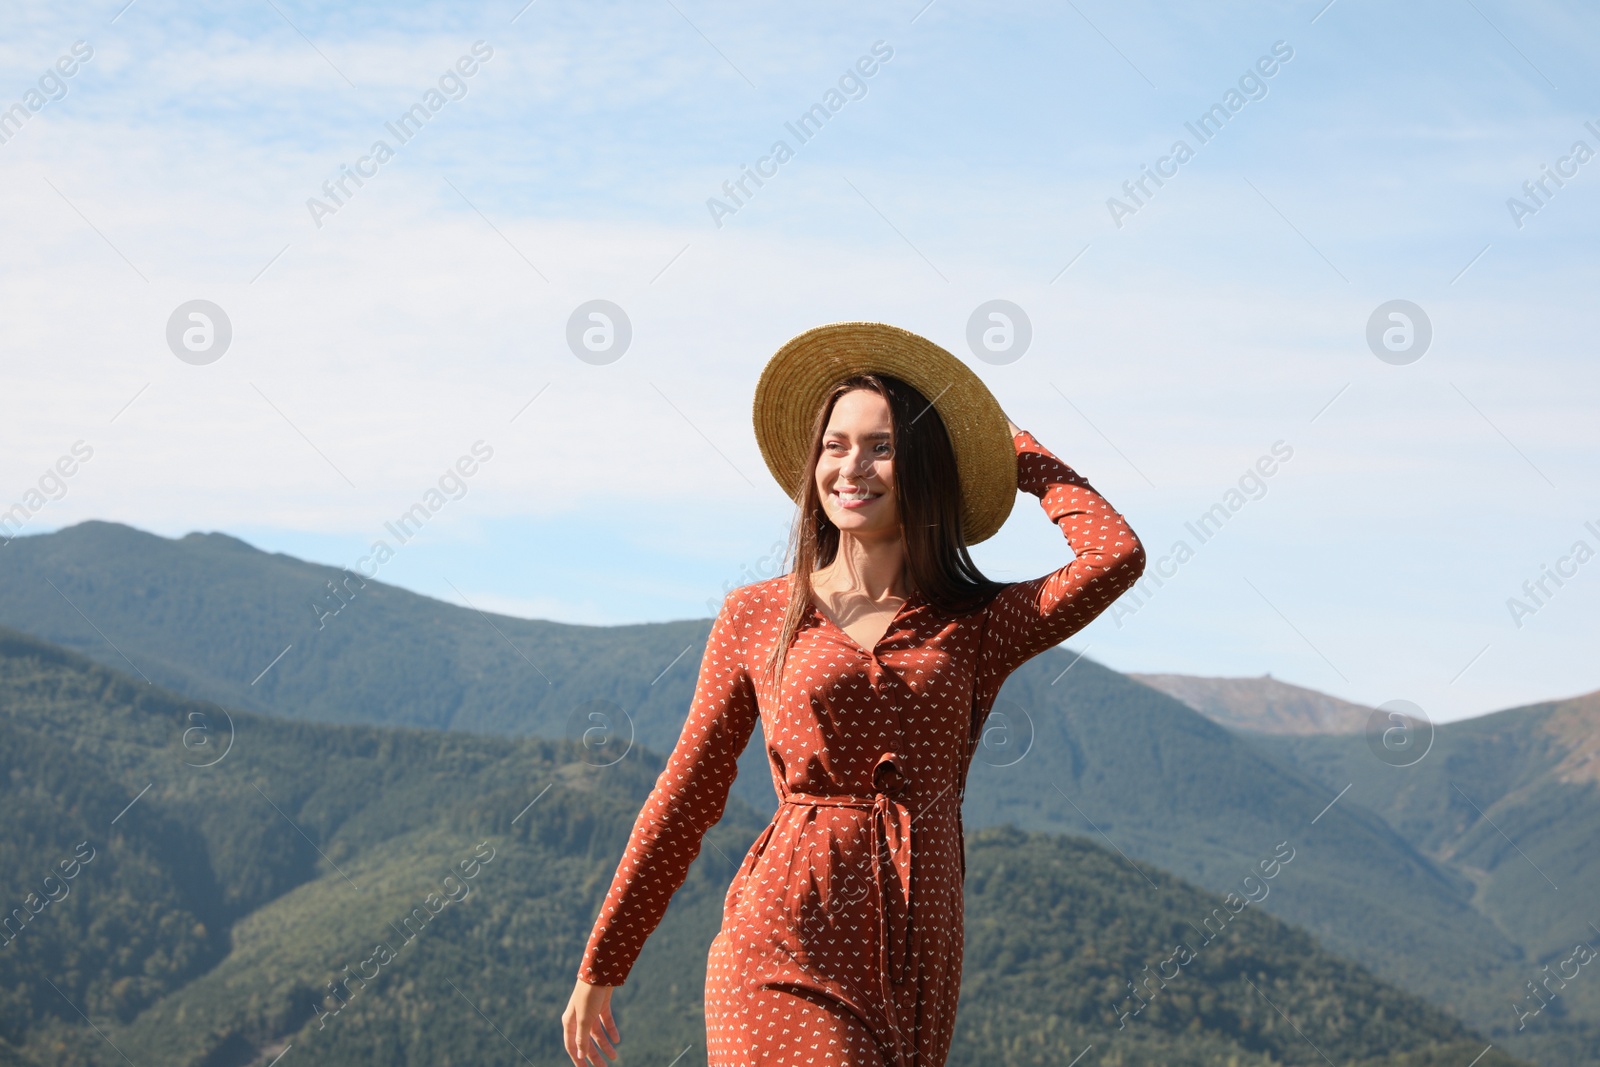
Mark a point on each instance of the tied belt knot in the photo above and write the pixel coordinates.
(892, 817)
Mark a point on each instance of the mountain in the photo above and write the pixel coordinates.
(1074, 748)
(1154, 960)
(1265, 704)
(201, 887)
(238, 864)
(1512, 800)
(210, 616)
(1149, 777)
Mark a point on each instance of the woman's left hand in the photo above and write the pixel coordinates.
(587, 1025)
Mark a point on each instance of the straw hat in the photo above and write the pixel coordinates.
(799, 376)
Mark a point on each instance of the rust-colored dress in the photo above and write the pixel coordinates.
(842, 932)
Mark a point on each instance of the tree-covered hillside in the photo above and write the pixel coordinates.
(1512, 800)
(357, 895)
(1083, 750)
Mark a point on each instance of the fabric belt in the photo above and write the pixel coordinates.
(892, 817)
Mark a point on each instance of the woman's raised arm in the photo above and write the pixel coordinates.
(1027, 618)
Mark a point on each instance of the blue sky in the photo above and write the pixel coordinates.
(1169, 353)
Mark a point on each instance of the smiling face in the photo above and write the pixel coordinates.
(855, 472)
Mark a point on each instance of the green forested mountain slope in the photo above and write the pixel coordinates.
(1082, 750)
(1511, 801)
(220, 903)
(1147, 775)
(1199, 967)
(225, 887)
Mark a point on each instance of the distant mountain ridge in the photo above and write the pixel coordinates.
(1265, 704)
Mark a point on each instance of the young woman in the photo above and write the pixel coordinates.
(871, 667)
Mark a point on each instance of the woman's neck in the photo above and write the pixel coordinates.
(873, 571)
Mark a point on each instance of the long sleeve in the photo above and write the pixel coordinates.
(1027, 618)
(687, 800)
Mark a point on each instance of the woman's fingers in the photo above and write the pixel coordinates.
(611, 1023)
(598, 1037)
(569, 1035)
(587, 1026)
(581, 1049)
(587, 1037)
(578, 1027)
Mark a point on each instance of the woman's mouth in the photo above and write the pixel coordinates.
(854, 498)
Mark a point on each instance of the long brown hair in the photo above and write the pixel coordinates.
(928, 496)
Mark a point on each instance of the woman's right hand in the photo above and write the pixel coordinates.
(587, 1024)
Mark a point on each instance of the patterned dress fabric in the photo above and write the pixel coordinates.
(841, 935)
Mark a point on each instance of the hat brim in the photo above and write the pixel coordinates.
(797, 379)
